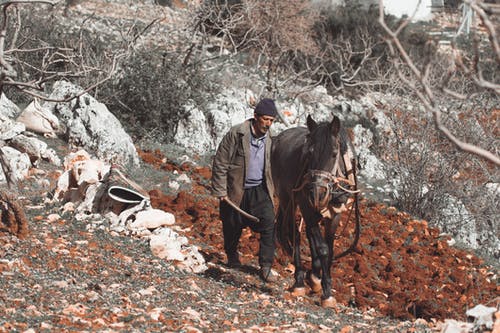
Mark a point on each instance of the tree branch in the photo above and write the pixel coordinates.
(424, 91)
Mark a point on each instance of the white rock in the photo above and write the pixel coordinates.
(36, 149)
(483, 315)
(128, 215)
(80, 173)
(68, 207)
(39, 119)
(62, 185)
(455, 219)
(53, 218)
(152, 219)
(7, 107)
(92, 125)
(166, 246)
(10, 128)
(371, 166)
(184, 178)
(18, 162)
(453, 326)
(202, 131)
(73, 157)
(174, 185)
(90, 171)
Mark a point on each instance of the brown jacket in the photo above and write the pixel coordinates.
(230, 164)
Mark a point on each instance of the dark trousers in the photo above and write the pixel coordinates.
(256, 201)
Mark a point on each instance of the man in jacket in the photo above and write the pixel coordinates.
(241, 174)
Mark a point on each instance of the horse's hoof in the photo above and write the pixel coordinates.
(329, 302)
(314, 283)
(299, 291)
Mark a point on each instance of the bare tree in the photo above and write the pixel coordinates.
(295, 45)
(269, 35)
(346, 65)
(463, 64)
(57, 62)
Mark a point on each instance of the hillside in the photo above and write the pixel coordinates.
(74, 275)
(73, 272)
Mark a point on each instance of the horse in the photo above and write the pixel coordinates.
(314, 168)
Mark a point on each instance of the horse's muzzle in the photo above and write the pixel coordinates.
(319, 196)
(319, 188)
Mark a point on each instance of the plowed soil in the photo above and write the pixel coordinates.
(402, 267)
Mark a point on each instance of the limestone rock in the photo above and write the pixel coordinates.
(7, 107)
(39, 120)
(10, 128)
(152, 219)
(36, 149)
(91, 126)
(19, 163)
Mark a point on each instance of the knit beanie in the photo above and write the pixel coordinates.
(266, 107)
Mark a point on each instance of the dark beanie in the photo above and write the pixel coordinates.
(266, 107)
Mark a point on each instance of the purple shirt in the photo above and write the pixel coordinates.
(256, 163)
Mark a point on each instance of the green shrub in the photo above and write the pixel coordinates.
(151, 91)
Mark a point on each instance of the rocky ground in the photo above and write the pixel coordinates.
(67, 277)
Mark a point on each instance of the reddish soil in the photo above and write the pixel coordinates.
(402, 267)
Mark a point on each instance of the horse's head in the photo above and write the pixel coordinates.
(322, 156)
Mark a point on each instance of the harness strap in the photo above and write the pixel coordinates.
(347, 157)
(357, 225)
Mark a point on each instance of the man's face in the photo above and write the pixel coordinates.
(262, 124)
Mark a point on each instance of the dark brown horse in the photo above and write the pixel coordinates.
(314, 169)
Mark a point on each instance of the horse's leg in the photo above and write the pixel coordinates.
(322, 250)
(326, 279)
(330, 230)
(313, 277)
(299, 288)
(327, 300)
(289, 236)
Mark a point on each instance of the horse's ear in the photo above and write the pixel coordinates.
(311, 124)
(335, 125)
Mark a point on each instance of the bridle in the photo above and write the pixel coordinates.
(325, 183)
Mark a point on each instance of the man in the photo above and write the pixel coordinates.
(241, 173)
